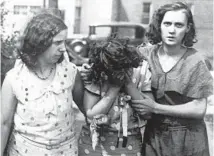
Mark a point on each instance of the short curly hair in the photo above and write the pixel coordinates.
(154, 32)
(111, 55)
(38, 36)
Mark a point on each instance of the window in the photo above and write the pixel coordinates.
(24, 9)
(34, 9)
(146, 12)
(20, 9)
(77, 20)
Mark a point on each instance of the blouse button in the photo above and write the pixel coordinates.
(62, 83)
(26, 89)
(112, 148)
(102, 138)
(27, 94)
(26, 99)
(134, 80)
(138, 154)
(80, 141)
(116, 109)
(66, 69)
(65, 75)
(130, 147)
(87, 151)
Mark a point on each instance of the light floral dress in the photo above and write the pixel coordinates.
(44, 118)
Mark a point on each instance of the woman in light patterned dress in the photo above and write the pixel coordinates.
(39, 93)
(113, 128)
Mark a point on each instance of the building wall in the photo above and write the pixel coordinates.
(95, 11)
(68, 7)
(202, 12)
(16, 22)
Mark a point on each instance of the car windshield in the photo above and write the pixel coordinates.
(121, 32)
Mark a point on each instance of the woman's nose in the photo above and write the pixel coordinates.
(62, 48)
(172, 29)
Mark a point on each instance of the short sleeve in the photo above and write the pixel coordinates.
(93, 88)
(142, 77)
(145, 50)
(201, 82)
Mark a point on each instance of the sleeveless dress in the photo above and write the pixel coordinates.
(189, 79)
(44, 118)
(109, 133)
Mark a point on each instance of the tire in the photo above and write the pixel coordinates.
(80, 49)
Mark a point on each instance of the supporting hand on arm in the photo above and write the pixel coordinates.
(195, 109)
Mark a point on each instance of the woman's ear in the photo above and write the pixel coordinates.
(188, 28)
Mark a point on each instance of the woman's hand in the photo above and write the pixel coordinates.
(101, 119)
(128, 75)
(145, 106)
(85, 71)
(117, 78)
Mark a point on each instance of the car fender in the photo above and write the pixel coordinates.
(78, 41)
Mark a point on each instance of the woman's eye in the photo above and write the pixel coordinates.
(179, 25)
(167, 23)
(58, 42)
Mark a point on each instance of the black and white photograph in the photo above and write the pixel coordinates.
(107, 78)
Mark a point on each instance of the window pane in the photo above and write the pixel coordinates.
(146, 13)
(20, 9)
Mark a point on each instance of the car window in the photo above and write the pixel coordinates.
(126, 32)
(103, 31)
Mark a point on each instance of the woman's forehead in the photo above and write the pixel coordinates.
(61, 35)
(175, 15)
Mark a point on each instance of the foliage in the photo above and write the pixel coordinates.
(8, 43)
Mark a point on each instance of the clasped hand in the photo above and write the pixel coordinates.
(144, 107)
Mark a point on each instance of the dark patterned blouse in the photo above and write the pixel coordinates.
(189, 79)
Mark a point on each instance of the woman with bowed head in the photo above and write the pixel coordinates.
(181, 84)
(39, 93)
(112, 128)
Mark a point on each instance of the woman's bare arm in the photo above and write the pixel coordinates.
(94, 105)
(8, 108)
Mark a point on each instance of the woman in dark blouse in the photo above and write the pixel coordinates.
(180, 83)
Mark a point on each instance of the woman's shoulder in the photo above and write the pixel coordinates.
(194, 58)
(93, 88)
(18, 71)
(68, 65)
(145, 50)
(194, 55)
(96, 89)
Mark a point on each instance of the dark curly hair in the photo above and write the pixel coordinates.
(112, 55)
(154, 32)
(38, 36)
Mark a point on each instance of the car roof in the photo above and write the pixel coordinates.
(123, 24)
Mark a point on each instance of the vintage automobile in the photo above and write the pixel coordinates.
(134, 32)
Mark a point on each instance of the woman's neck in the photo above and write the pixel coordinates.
(44, 67)
(172, 50)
